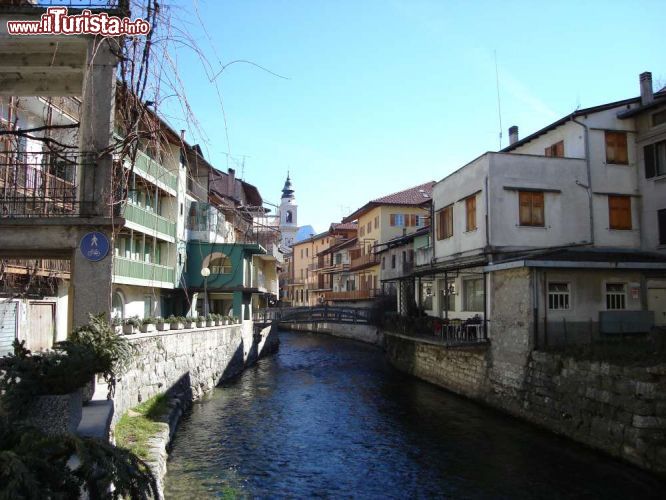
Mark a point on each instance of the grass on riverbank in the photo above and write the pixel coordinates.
(139, 424)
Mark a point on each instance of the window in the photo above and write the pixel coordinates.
(393, 261)
(558, 296)
(655, 159)
(383, 262)
(661, 222)
(376, 222)
(619, 212)
(338, 258)
(369, 226)
(220, 265)
(404, 257)
(397, 220)
(448, 300)
(362, 230)
(289, 217)
(473, 295)
(616, 147)
(181, 209)
(301, 253)
(470, 210)
(659, 118)
(615, 296)
(307, 252)
(445, 223)
(531, 208)
(556, 149)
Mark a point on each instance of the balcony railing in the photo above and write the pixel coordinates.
(360, 260)
(150, 220)
(423, 256)
(152, 170)
(352, 295)
(136, 269)
(39, 185)
(40, 267)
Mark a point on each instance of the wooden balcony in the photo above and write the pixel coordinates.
(368, 294)
(360, 259)
(38, 267)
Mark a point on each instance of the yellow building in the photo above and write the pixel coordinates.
(378, 221)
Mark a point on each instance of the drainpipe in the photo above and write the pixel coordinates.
(589, 174)
(487, 213)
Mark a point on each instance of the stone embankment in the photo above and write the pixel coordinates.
(185, 364)
(620, 410)
(362, 332)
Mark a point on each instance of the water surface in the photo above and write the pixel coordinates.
(328, 417)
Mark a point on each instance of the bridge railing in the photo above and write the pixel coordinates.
(325, 313)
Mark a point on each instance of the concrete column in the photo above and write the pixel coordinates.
(91, 284)
(96, 129)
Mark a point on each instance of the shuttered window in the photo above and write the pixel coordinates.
(397, 220)
(470, 213)
(445, 223)
(661, 221)
(616, 147)
(619, 212)
(531, 207)
(556, 149)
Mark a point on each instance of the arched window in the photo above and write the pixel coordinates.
(289, 218)
(117, 306)
(220, 264)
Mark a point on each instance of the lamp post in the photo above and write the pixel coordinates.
(205, 272)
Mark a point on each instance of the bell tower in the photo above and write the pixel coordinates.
(288, 214)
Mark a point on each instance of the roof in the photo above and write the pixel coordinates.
(311, 238)
(586, 111)
(414, 196)
(343, 226)
(339, 246)
(585, 257)
(403, 239)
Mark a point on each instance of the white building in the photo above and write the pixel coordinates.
(565, 228)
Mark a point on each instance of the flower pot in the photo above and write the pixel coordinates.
(226, 321)
(210, 323)
(147, 328)
(218, 322)
(88, 390)
(128, 329)
(163, 327)
(201, 324)
(190, 324)
(177, 326)
(56, 413)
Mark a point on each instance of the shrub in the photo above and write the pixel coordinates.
(134, 321)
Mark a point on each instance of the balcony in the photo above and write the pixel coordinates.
(38, 267)
(124, 269)
(150, 222)
(152, 171)
(368, 294)
(38, 185)
(360, 260)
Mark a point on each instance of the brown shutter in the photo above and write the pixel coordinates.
(548, 151)
(619, 212)
(559, 149)
(537, 209)
(392, 219)
(525, 208)
(616, 147)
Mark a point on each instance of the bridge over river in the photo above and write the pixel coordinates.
(328, 417)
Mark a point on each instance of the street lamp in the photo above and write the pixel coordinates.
(205, 272)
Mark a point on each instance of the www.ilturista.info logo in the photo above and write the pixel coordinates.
(56, 21)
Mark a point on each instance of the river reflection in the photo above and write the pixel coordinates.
(329, 417)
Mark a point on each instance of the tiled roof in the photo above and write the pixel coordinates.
(342, 226)
(414, 196)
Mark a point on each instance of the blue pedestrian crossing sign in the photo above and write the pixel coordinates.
(94, 246)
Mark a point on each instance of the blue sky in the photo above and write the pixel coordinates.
(384, 95)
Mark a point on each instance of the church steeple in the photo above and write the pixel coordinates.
(287, 191)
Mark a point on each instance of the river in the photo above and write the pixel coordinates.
(329, 417)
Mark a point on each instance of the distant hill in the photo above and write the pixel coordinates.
(304, 232)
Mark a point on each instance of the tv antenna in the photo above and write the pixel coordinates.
(499, 104)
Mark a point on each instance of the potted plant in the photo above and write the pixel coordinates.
(162, 325)
(176, 322)
(201, 321)
(132, 325)
(117, 324)
(237, 321)
(148, 324)
(210, 320)
(190, 322)
(225, 320)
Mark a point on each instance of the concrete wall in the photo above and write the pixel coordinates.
(364, 333)
(192, 360)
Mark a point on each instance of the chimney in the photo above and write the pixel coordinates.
(513, 134)
(646, 88)
(182, 135)
(231, 183)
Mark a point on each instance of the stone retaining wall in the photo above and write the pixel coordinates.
(192, 361)
(619, 410)
(364, 333)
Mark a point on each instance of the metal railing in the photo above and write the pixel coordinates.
(137, 269)
(458, 332)
(360, 259)
(39, 184)
(150, 220)
(324, 313)
(42, 267)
